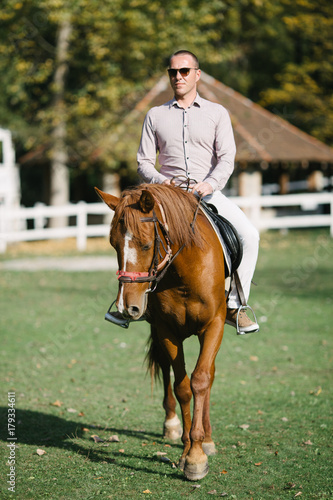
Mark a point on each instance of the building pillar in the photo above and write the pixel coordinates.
(284, 183)
(316, 181)
(111, 185)
(250, 185)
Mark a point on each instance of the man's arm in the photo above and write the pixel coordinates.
(225, 153)
(146, 156)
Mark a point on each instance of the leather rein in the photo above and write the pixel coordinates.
(158, 268)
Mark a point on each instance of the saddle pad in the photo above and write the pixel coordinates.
(228, 236)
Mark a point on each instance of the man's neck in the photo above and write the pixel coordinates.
(186, 100)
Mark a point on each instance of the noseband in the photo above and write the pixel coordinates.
(158, 268)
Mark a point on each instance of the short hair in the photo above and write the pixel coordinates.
(185, 52)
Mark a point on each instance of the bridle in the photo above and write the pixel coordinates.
(158, 267)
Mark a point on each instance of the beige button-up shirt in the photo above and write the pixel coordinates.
(196, 142)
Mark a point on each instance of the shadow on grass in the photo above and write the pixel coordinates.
(44, 430)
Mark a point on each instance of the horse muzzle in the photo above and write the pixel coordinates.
(132, 304)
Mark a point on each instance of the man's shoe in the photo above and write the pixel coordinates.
(240, 320)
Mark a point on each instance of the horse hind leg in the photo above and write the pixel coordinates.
(172, 428)
(158, 361)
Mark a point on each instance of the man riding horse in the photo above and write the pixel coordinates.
(194, 138)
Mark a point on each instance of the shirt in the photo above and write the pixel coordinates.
(196, 142)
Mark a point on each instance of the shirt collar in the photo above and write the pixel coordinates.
(197, 102)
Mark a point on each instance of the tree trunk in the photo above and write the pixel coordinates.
(59, 189)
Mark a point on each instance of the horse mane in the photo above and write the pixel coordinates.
(179, 207)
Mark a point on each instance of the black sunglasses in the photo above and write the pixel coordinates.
(183, 71)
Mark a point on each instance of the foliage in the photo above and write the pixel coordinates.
(75, 376)
(275, 51)
(115, 46)
(304, 82)
(280, 55)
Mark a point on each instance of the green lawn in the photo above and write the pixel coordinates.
(74, 376)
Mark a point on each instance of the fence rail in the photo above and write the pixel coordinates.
(13, 223)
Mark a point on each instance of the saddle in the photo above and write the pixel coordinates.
(228, 236)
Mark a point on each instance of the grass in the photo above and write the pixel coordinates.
(75, 375)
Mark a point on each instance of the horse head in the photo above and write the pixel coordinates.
(133, 235)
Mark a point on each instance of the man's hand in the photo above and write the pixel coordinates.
(169, 182)
(203, 188)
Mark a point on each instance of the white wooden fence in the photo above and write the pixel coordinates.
(257, 208)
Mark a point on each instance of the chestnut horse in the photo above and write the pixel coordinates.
(166, 246)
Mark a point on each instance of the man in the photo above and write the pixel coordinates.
(194, 138)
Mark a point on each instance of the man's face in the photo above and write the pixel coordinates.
(183, 85)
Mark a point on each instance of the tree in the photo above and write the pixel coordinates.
(304, 83)
(59, 156)
(279, 51)
(112, 48)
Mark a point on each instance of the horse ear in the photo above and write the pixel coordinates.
(111, 201)
(146, 201)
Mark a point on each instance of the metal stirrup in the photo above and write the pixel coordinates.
(242, 308)
(124, 323)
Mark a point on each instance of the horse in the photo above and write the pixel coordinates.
(171, 271)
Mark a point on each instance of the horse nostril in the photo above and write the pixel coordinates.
(134, 311)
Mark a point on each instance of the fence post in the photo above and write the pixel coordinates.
(3, 227)
(81, 223)
(39, 219)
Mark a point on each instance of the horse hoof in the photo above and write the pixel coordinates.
(195, 471)
(209, 449)
(172, 429)
(173, 434)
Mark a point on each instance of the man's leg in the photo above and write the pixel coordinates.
(249, 237)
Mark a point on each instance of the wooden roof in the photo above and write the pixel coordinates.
(261, 136)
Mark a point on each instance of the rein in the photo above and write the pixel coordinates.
(158, 268)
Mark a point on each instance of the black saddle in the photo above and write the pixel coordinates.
(228, 234)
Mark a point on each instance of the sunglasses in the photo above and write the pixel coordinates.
(183, 71)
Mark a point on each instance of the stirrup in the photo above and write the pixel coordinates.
(241, 308)
(124, 323)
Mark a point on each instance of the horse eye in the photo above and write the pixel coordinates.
(146, 247)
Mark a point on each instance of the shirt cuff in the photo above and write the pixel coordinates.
(213, 183)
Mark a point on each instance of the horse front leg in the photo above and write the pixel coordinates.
(174, 350)
(208, 444)
(196, 463)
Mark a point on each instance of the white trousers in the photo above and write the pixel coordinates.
(249, 237)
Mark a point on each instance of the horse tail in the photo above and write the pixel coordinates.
(153, 355)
